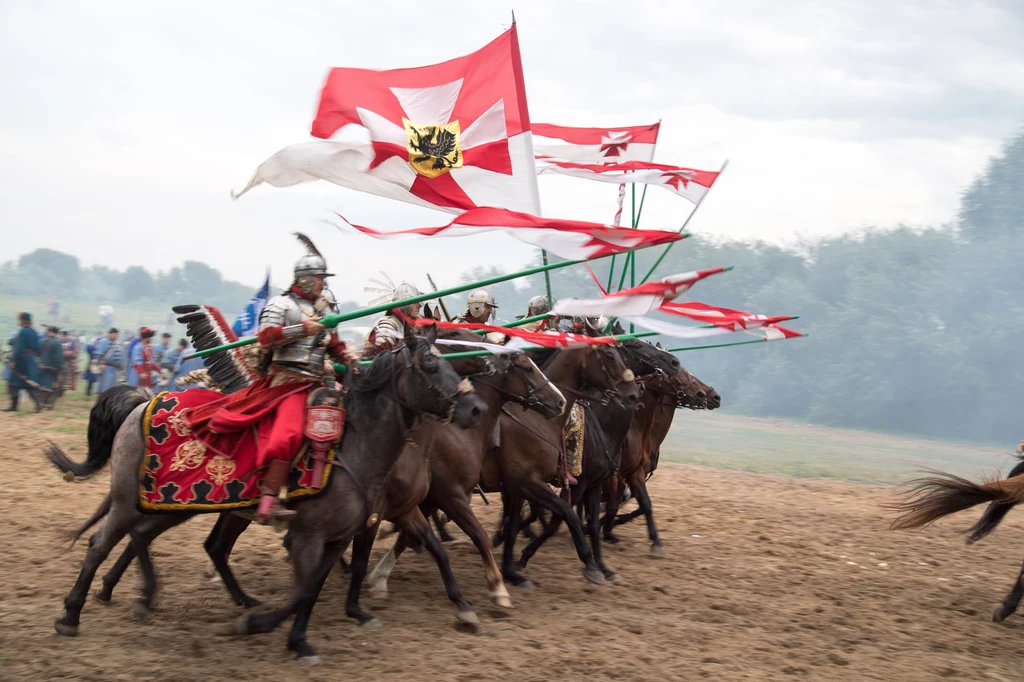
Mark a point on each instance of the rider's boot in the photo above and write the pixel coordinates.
(14, 399)
(270, 505)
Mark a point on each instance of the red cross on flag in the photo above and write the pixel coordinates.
(453, 136)
(689, 183)
(595, 145)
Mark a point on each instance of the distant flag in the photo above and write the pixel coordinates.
(595, 145)
(689, 183)
(638, 300)
(248, 321)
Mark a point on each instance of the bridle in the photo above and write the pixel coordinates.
(448, 401)
(612, 392)
(529, 401)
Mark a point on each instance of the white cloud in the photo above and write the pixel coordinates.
(125, 125)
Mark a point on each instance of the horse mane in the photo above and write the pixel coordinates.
(368, 384)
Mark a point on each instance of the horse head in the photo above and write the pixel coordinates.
(426, 384)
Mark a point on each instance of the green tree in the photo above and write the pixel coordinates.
(62, 267)
(136, 284)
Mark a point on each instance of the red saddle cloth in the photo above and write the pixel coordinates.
(180, 472)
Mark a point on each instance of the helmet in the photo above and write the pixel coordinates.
(477, 304)
(310, 265)
(406, 290)
(538, 305)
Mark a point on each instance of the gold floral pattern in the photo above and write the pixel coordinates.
(189, 455)
(220, 469)
(178, 422)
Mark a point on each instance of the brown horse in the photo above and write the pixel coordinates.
(606, 425)
(662, 396)
(382, 407)
(936, 496)
(455, 457)
(531, 449)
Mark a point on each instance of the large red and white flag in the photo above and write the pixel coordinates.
(689, 183)
(571, 239)
(726, 318)
(636, 301)
(595, 145)
(453, 136)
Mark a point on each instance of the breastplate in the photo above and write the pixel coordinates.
(304, 355)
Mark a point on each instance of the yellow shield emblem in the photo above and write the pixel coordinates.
(433, 150)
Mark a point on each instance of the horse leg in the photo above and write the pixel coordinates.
(1012, 600)
(378, 579)
(512, 505)
(459, 511)
(307, 554)
(415, 525)
(626, 518)
(612, 502)
(118, 523)
(592, 502)
(549, 529)
(218, 546)
(441, 532)
(361, 546)
(147, 530)
(542, 495)
(639, 488)
(329, 556)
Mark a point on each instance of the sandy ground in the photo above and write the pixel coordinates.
(767, 577)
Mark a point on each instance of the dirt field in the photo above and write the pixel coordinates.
(768, 577)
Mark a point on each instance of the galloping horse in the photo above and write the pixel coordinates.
(382, 405)
(936, 496)
(642, 446)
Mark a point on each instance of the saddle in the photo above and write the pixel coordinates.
(325, 424)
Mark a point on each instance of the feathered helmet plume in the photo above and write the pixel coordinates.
(311, 264)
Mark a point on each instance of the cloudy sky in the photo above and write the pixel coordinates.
(124, 125)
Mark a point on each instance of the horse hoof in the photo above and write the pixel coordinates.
(612, 577)
(611, 539)
(502, 600)
(658, 551)
(467, 618)
(240, 626)
(141, 613)
(594, 575)
(372, 624)
(309, 660)
(998, 616)
(101, 598)
(379, 592)
(522, 583)
(63, 628)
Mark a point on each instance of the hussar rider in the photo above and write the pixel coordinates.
(389, 330)
(301, 353)
(539, 305)
(480, 307)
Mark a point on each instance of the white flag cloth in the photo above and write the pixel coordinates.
(678, 331)
(595, 145)
(689, 183)
(638, 300)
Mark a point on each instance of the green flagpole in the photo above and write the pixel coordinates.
(668, 247)
(723, 345)
(547, 276)
(334, 320)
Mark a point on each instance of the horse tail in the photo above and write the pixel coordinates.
(100, 512)
(111, 409)
(994, 513)
(937, 496)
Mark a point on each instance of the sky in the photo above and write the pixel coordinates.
(124, 125)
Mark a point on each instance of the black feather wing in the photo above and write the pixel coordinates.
(207, 328)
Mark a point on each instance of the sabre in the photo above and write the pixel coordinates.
(440, 301)
(333, 320)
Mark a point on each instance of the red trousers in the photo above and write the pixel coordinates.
(281, 433)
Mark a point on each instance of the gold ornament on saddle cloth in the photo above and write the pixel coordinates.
(433, 150)
(574, 440)
(189, 455)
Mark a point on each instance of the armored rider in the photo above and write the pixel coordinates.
(301, 352)
(539, 305)
(480, 307)
(389, 330)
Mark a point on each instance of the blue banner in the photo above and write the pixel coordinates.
(248, 321)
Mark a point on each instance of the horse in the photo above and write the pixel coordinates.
(531, 449)
(933, 497)
(382, 405)
(605, 427)
(665, 395)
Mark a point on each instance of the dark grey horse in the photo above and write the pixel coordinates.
(381, 408)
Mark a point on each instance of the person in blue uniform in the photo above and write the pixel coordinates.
(109, 357)
(22, 365)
